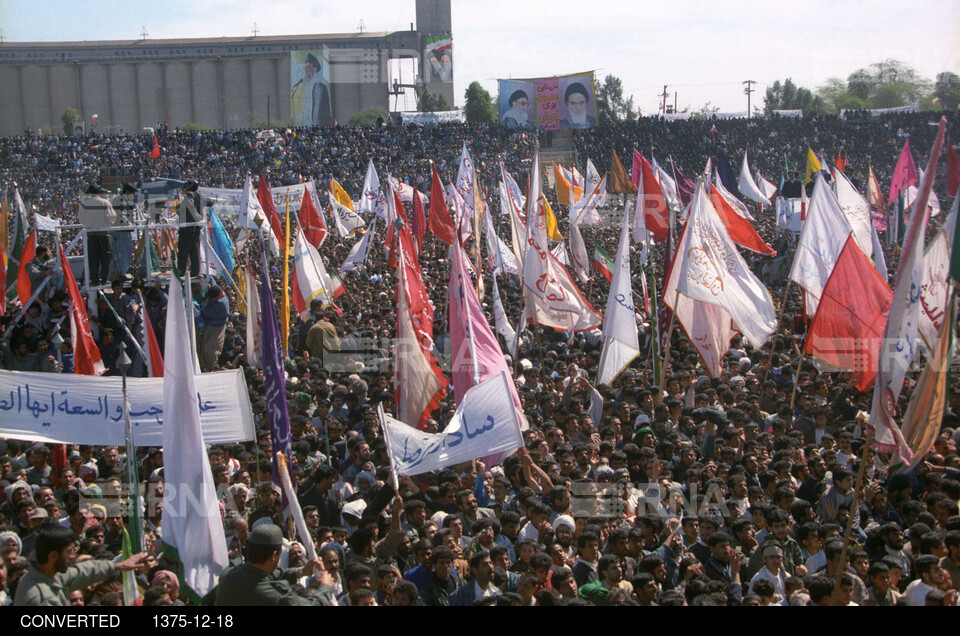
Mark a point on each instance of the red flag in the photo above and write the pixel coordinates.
(155, 153)
(24, 288)
(419, 220)
(953, 172)
(441, 223)
(637, 168)
(156, 356)
(314, 229)
(656, 214)
(266, 202)
(840, 163)
(59, 463)
(739, 228)
(848, 327)
(904, 175)
(86, 354)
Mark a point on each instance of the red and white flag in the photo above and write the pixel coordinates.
(310, 277)
(825, 230)
(311, 220)
(552, 299)
(86, 355)
(848, 327)
(711, 289)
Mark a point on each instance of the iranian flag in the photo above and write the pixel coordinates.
(603, 263)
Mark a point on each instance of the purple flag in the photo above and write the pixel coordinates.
(685, 187)
(274, 383)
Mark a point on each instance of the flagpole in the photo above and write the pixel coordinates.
(854, 504)
(796, 379)
(666, 347)
(386, 439)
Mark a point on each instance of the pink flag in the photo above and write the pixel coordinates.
(905, 174)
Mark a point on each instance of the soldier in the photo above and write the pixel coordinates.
(259, 582)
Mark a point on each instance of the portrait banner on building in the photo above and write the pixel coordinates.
(564, 102)
(310, 88)
(438, 56)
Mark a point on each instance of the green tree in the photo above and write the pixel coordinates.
(861, 83)
(432, 102)
(479, 106)
(947, 90)
(611, 107)
(789, 96)
(71, 118)
(368, 117)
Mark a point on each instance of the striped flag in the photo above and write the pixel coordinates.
(603, 263)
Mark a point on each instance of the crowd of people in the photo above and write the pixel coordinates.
(710, 491)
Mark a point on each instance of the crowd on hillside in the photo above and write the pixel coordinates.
(713, 491)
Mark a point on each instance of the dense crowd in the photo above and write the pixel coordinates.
(713, 491)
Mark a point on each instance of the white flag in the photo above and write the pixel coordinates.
(825, 230)
(310, 275)
(484, 424)
(357, 258)
(748, 187)
(578, 250)
(734, 202)
(464, 183)
(191, 512)
(373, 200)
(856, 210)
(767, 188)
(254, 316)
(501, 322)
(712, 271)
(620, 341)
(45, 223)
(552, 298)
(595, 183)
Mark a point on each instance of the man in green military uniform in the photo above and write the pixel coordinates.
(259, 582)
(54, 573)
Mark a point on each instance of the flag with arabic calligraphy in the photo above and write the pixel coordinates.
(552, 297)
(485, 423)
(620, 340)
(712, 291)
(902, 333)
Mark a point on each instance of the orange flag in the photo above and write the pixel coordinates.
(618, 179)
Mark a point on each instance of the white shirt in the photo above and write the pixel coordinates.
(779, 580)
(917, 592)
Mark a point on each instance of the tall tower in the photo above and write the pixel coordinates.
(435, 25)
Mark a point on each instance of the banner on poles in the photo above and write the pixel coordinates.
(74, 409)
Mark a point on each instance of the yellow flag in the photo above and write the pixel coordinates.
(341, 195)
(813, 165)
(285, 303)
(619, 180)
(552, 230)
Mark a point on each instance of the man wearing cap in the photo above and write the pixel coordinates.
(773, 569)
(123, 238)
(269, 493)
(259, 582)
(97, 213)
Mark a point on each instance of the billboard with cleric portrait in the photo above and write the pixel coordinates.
(564, 102)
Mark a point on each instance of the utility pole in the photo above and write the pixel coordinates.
(663, 102)
(255, 30)
(749, 89)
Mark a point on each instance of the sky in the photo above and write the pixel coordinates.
(701, 50)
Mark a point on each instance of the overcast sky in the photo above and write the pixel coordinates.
(702, 50)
